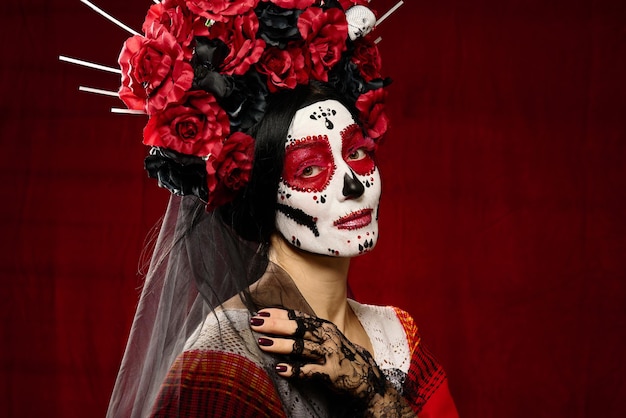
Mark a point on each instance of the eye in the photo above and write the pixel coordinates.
(308, 164)
(310, 171)
(357, 155)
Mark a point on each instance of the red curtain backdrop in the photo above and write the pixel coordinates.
(502, 226)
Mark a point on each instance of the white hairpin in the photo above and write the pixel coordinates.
(386, 15)
(90, 64)
(109, 17)
(98, 91)
(133, 32)
(127, 111)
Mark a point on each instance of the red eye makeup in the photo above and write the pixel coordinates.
(309, 164)
(358, 150)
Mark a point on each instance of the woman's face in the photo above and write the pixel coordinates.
(330, 187)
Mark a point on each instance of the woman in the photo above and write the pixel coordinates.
(245, 309)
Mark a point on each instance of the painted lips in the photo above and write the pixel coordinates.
(354, 220)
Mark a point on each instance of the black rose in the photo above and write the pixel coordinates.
(245, 105)
(181, 174)
(277, 26)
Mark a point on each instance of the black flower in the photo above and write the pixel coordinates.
(207, 57)
(347, 79)
(179, 173)
(245, 105)
(277, 26)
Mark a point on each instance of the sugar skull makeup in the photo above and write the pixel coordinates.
(361, 21)
(330, 187)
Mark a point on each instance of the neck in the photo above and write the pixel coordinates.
(321, 279)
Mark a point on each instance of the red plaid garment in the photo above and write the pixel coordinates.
(221, 384)
(426, 386)
(217, 384)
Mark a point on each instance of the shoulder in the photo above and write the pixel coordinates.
(217, 383)
(389, 320)
(225, 330)
(220, 373)
(425, 383)
(380, 312)
(390, 338)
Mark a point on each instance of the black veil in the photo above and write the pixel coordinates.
(197, 264)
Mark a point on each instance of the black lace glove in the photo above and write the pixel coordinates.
(320, 352)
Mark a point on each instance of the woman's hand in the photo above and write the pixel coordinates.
(319, 351)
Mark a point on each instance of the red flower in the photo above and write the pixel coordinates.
(367, 58)
(292, 4)
(196, 127)
(221, 10)
(239, 34)
(154, 72)
(284, 68)
(325, 33)
(177, 20)
(346, 4)
(372, 113)
(230, 170)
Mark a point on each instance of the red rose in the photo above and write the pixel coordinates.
(221, 10)
(284, 68)
(177, 20)
(292, 4)
(346, 4)
(372, 113)
(325, 33)
(367, 58)
(196, 127)
(154, 71)
(230, 170)
(239, 34)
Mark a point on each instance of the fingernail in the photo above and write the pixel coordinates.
(280, 368)
(255, 322)
(265, 342)
(264, 314)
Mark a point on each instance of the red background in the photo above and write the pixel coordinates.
(501, 225)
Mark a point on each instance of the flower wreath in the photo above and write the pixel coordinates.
(203, 70)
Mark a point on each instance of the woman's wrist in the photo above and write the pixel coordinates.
(389, 404)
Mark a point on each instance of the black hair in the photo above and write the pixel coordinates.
(252, 214)
(225, 250)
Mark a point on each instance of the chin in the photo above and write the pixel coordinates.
(346, 243)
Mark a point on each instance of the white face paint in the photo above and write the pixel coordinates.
(330, 188)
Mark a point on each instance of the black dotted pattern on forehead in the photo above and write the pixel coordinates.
(299, 217)
(326, 114)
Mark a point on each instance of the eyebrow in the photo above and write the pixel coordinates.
(349, 132)
(307, 142)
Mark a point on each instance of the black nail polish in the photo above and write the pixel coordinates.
(264, 314)
(255, 322)
(265, 342)
(280, 368)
